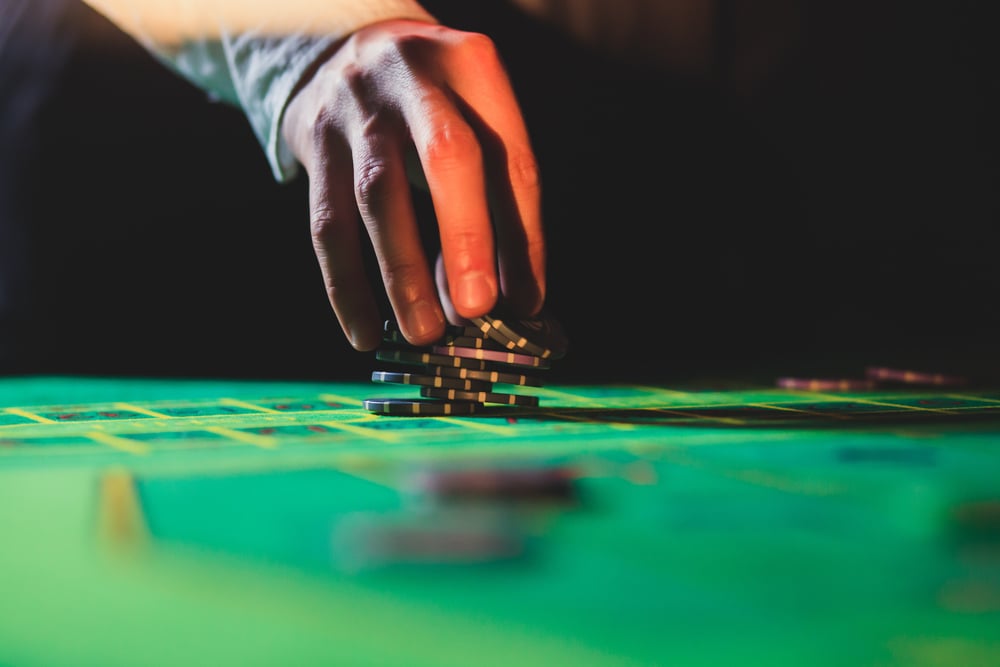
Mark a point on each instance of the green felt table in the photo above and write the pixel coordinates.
(196, 522)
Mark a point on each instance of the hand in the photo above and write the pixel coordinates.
(402, 86)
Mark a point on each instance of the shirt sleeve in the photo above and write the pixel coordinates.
(250, 54)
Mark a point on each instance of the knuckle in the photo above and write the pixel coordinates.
(371, 176)
(524, 171)
(322, 124)
(398, 272)
(452, 145)
(339, 293)
(323, 223)
(481, 47)
(463, 238)
(464, 245)
(354, 80)
(410, 47)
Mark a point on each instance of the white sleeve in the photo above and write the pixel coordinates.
(252, 55)
(258, 74)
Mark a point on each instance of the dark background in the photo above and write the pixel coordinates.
(843, 212)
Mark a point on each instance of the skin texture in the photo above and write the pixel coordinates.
(401, 93)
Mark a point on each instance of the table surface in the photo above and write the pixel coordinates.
(166, 522)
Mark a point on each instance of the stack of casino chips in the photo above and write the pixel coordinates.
(457, 374)
(459, 513)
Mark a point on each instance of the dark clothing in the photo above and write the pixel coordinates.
(34, 43)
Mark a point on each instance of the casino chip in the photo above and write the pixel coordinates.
(479, 396)
(457, 373)
(541, 335)
(496, 377)
(440, 381)
(503, 357)
(474, 341)
(364, 541)
(544, 483)
(417, 357)
(420, 407)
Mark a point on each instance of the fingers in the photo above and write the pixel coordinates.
(337, 243)
(451, 159)
(383, 197)
(480, 82)
(446, 93)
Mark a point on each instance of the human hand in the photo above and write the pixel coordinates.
(391, 89)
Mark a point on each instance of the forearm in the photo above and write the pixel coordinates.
(250, 54)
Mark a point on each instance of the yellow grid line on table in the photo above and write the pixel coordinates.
(262, 441)
(363, 431)
(116, 442)
(694, 415)
(141, 410)
(19, 412)
(665, 390)
(236, 403)
(785, 408)
(898, 406)
(964, 397)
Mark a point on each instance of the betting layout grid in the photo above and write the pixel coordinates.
(476, 512)
(456, 375)
(457, 513)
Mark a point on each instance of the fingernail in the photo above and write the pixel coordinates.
(423, 318)
(474, 290)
